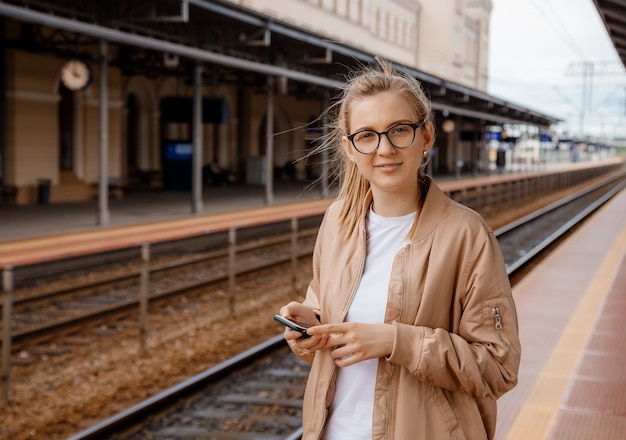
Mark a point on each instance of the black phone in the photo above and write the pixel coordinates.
(292, 325)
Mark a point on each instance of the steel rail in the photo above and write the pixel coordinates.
(528, 255)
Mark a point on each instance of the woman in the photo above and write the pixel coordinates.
(413, 328)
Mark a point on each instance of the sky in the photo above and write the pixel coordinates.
(538, 51)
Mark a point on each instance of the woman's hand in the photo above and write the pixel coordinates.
(352, 342)
(306, 317)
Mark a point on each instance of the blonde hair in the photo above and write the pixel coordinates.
(368, 81)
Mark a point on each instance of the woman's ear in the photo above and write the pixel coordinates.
(347, 148)
(429, 135)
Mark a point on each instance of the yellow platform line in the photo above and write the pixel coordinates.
(541, 407)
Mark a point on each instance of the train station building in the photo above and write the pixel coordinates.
(101, 97)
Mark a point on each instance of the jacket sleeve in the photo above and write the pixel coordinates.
(312, 294)
(481, 354)
(312, 298)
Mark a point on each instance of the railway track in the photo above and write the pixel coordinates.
(40, 311)
(258, 393)
(263, 402)
(527, 237)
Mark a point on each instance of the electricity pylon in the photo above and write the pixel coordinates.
(587, 69)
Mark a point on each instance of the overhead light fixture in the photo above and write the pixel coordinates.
(448, 126)
(170, 60)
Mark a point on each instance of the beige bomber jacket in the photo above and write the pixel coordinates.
(456, 347)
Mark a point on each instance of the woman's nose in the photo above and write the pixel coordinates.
(385, 146)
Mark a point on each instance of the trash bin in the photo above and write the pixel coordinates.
(8, 195)
(43, 192)
(501, 159)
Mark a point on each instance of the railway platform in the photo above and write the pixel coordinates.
(141, 207)
(149, 207)
(571, 308)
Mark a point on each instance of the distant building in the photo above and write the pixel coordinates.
(446, 38)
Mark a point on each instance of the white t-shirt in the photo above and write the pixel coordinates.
(350, 416)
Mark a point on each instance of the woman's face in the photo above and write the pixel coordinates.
(389, 170)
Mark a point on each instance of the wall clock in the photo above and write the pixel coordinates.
(75, 75)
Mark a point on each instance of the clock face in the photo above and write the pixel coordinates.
(75, 75)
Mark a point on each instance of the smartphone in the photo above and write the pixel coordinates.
(292, 325)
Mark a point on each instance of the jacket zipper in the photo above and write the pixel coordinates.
(498, 325)
(343, 316)
(394, 366)
(344, 312)
(498, 319)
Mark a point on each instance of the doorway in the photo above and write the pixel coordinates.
(132, 137)
(66, 129)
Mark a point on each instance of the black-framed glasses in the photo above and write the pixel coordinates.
(399, 135)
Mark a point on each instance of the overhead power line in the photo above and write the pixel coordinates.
(556, 23)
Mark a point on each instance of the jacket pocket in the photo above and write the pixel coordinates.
(444, 409)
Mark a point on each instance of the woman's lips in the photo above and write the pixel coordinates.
(387, 166)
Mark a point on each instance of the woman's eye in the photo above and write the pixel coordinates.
(400, 129)
(363, 136)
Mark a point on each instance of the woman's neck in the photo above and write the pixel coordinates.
(394, 205)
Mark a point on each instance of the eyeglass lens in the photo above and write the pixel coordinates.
(400, 136)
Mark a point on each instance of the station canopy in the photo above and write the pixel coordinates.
(613, 14)
(237, 47)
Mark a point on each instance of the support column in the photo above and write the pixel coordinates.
(475, 149)
(269, 150)
(455, 143)
(103, 147)
(196, 183)
(3, 112)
